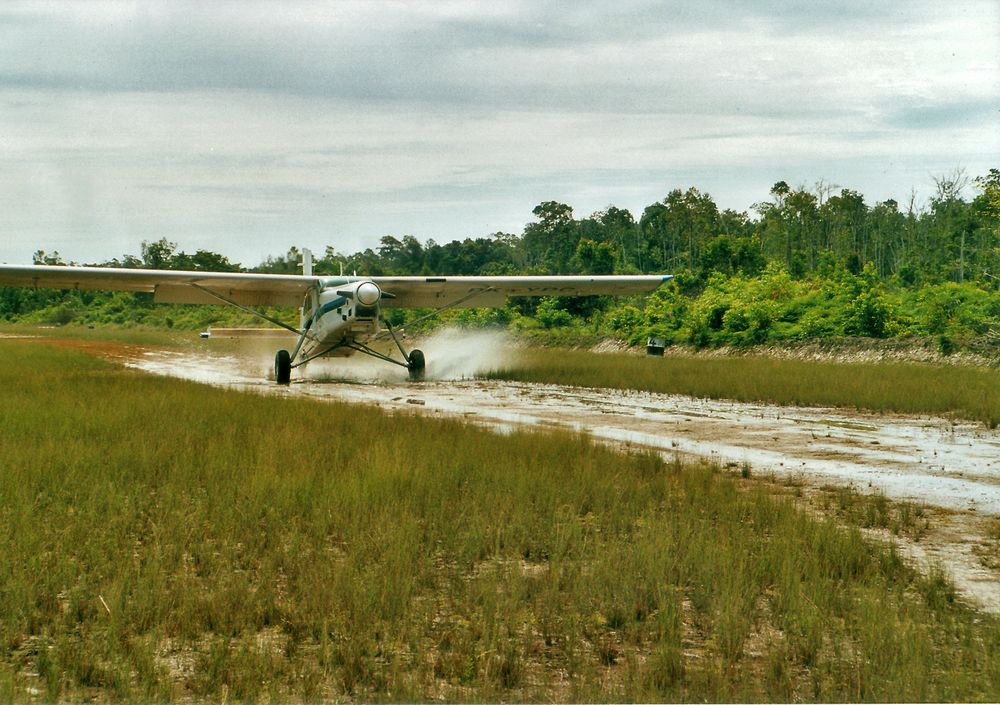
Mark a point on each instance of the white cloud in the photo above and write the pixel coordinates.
(248, 127)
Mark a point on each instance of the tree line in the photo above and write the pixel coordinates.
(809, 230)
(951, 238)
(806, 237)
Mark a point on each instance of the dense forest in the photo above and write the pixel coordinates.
(805, 263)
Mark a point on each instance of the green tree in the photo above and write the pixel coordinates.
(159, 254)
(41, 257)
(802, 232)
(551, 242)
(987, 214)
(887, 228)
(287, 264)
(869, 313)
(594, 258)
(675, 229)
(619, 229)
(550, 315)
(950, 222)
(404, 256)
(204, 261)
(844, 219)
(366, 262)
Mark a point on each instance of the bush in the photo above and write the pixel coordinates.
(869, 314)
(955, 310)
(61, 315)
(550, 316)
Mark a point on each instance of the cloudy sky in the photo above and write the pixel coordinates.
(247, 127)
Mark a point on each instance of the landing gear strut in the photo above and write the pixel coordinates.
(415, 364)
(283, 367)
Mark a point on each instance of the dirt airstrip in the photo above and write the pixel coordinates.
(950, 468)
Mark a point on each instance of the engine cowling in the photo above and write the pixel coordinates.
(368, 293)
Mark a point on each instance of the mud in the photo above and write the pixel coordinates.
(950, 466)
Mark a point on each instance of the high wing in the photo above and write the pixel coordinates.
(169, 286)
(433, 292)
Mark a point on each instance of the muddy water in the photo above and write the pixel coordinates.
(951, 465)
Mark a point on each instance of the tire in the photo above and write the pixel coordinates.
(416, 365)
(283, 368)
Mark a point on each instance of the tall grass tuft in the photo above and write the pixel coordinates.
(912, 388)
(163, 541)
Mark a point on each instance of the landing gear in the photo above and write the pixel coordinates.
(415, 364)
(283, 368)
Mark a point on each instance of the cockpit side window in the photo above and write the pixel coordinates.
(308, 304)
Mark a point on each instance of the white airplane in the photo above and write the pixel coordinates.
(340, 314)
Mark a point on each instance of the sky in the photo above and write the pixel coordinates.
(249, 127)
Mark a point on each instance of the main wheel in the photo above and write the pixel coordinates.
(283, 367)
(416, 365)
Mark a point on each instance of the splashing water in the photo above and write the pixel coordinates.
(451, 353)
(455, 353)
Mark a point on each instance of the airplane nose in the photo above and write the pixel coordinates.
(368, 294)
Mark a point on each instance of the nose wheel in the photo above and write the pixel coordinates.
(415, 364)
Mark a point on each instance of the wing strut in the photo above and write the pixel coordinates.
(433, 313)
(304, 333)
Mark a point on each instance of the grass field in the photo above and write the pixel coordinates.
(160, 337)
(911, 388)
(161, 541)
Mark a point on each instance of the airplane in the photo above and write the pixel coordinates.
(340, 315)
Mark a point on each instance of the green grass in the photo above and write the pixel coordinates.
(163, 541)
(911, 388)
(159, 337)
(876, 511)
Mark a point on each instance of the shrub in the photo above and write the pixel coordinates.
(550, 316)
(869, 314)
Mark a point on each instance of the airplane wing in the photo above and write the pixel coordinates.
(167, 286)
(435, 292)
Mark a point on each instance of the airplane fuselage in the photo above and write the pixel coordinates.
(339, 310)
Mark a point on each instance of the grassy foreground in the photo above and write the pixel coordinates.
(161, 540)
(912, 388)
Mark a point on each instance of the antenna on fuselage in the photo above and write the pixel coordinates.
(307, 262)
